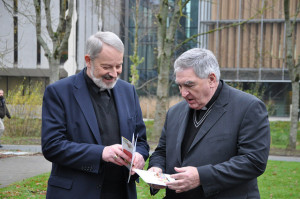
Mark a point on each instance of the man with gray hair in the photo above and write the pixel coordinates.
(84, 117)
(216, 142)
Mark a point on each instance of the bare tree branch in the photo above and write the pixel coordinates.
(48, 19)
(68, 24)
(8, 7)
(37, 7)
(147, 82)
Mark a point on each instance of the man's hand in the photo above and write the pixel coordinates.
(186, 179)
(114, 154)
(156, 170)
(138, 162)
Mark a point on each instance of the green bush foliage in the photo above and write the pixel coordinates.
(24, 104)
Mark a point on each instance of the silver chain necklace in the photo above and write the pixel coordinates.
(196, 123)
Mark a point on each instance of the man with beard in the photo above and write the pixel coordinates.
(84, 117)
(3, 112)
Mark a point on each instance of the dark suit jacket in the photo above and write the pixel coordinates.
(71, 138)
(230, 150)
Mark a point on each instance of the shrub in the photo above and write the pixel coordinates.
(148, 105)
(24, 104)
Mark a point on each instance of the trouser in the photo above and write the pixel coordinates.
(1, 128)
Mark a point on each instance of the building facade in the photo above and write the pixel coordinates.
(247, 37)
(22, 59)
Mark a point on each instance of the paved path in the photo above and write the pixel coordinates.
(284, 158)
(20, 167)
(17, 168)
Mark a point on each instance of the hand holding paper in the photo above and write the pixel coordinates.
(129, 149)
(187, 178)
(138, 162)
(115, 154)
(155, 178)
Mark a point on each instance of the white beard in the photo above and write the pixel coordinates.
(100, 83)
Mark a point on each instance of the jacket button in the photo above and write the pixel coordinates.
(99, 186)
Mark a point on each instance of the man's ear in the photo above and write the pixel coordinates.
(87, 59)
(212, 78)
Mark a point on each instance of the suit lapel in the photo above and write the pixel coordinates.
(120, 106)
(185, 115)
(216, 113)
(209, 122)
(82, 96)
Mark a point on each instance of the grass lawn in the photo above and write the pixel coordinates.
(280, 180)
(279, 136)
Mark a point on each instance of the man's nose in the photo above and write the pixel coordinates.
(114, 72)
(184, 92)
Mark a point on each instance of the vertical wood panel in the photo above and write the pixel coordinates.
(282, 47)
(211, 40)
(275, 46)
(231, 35)
(224, 10)
(281, 9)
(258, 44)
(231, 47)
(272, 54)
(255, 6)
(223, 47)
(293, 7)
(246, 7)
(267, 45)
(231, 9)
(269, 9)
(276, 9)
(253, 46)
(245, 31)
(214, 9)
(237, 9)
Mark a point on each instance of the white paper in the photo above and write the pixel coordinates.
(154, 178)
(129, 149)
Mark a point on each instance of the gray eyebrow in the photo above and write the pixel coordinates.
(187, 83)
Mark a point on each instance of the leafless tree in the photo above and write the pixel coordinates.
(294, 71)
(59, 37)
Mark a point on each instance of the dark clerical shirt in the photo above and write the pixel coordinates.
(107, 117)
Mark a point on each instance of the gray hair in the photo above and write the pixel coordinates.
(95, 43)
(201, 60)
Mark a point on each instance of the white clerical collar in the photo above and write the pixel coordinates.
(204, 108)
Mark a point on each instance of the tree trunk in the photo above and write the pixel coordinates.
(294, 76)
(165, 46)
(162, 93)
(59, 36)
(294, 115)
(54, 69)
